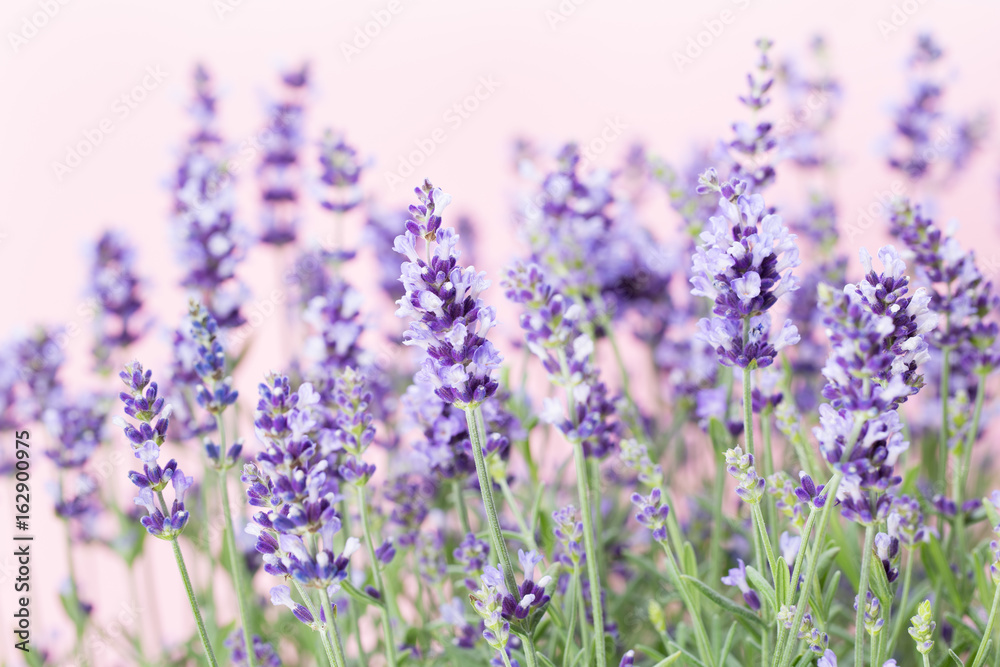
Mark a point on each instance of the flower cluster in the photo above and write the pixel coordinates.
(553, 334)
(591, 246)
(280, 170)
(922, 627)
(498, 607)
(740, 466)
(960, 294)
(215, 393)
(142, 403)
(926, 135)
(877, 342)
(753, 143)
(209, 242)
(115, 286)
(445, 448)
(341, 171)
(739, 266)
(448, 318)
(296, 487)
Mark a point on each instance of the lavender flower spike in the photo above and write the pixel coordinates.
(743, 265)
(448, 318)
(143, 404)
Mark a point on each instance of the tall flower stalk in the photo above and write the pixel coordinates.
(146, 436)
(450, 322)
(553, 331)
(215, 394)
(877, 341)
(355, 433)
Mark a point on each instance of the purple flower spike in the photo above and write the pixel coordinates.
(744, 265)
(209, 242)
(448, 318)
(115, 287)
(143, 404)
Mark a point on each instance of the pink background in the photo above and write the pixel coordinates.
(606, 60)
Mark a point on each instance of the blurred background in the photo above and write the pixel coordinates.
(397, 76)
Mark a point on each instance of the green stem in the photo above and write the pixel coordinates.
(331, 620)
(901, 612)
(758, 518)
(526, 533)
(943, 442)
(463, 511)
(783, 652)
(701, 637)
(981, 653)
(715, 560)
(528, 646)
(800, 557)
(390, 644)
(230, 540)
(960, 481)
(769, 506)
(78, 617)
(352, 612)
(209, 653)
(582, 613)
(859, 619)
(571, 621)
(590, 544)
(747, 393)
(748, 433)
(477, 434)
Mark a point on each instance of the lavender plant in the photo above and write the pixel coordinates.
(757, 502)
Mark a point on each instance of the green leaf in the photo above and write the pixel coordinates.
(830, 593)
(543, 659)
(690, 656)
(727, 645)
(742, 614)
(880, 584)
(931, 552)
(359, 595)
(653, 653)
(758, 581)
(955, 658)
(973, 636)
(991, 512)
(670, 659)
(825, 561)
(721, 440)
(782, 582)
(689, 563)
